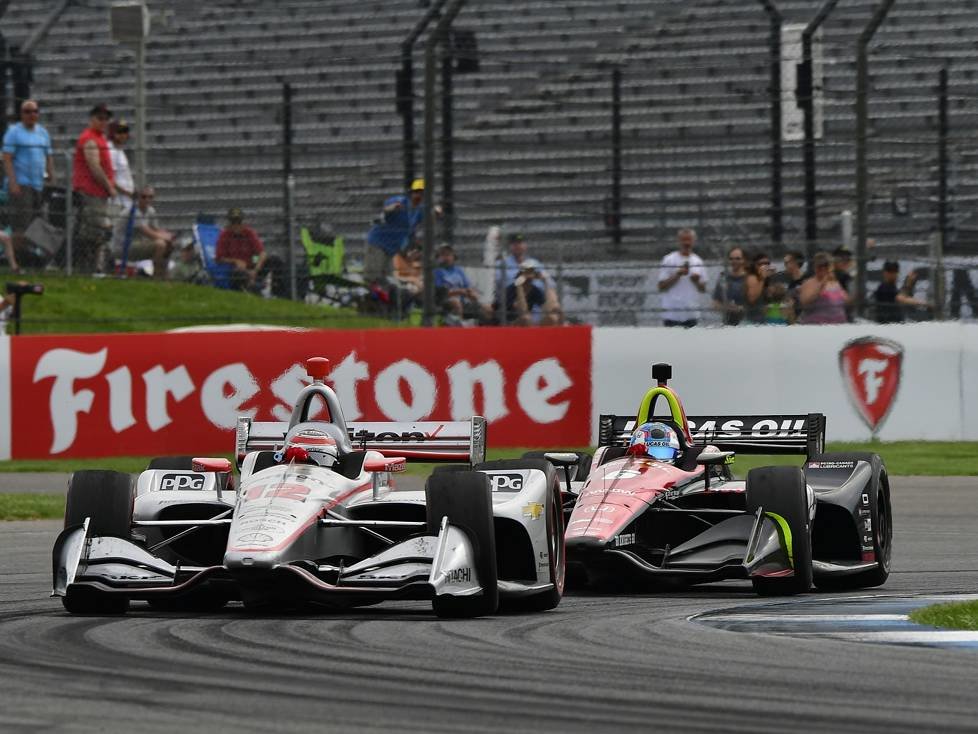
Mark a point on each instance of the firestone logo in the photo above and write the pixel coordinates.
(871, 369)
(402, 391)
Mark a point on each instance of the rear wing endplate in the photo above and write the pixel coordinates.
(434, 441)
(745, 434)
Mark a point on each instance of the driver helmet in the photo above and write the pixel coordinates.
(661, 441)
(320, 446)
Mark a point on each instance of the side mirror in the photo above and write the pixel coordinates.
(385, 464)
(215, 465)
(713, 458)
(561, 458)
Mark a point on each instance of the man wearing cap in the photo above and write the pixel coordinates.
(890, 300)
(531, 297)
(188, 268)
(122, 202)
(240, 247)
(396, 228)
(94, 181)
(26, 160)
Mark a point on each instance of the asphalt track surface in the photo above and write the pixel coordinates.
(595, 664)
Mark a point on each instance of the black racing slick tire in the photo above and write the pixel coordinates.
(175, 463)
(781, 490)
(466, 499)
(549, 598)
(881, 513)
(105, 497)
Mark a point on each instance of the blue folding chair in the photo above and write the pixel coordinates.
(206, 236)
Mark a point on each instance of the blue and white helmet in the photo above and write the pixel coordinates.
(661, 441)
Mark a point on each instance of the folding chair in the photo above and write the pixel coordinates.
(205, 235)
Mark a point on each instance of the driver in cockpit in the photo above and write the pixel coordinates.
(319, 447)
(661, 442)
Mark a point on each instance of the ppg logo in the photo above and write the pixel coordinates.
(182, 481)
(506, 482)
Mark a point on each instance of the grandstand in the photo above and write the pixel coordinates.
(532, 126)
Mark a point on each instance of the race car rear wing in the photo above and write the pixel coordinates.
(434, 441)
(745, 434)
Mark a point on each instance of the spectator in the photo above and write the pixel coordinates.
(681, 279)
(239, 246)
(531, 297)
(395, 230)
(891, 301)
(93, 180)
(122, 202)
(794, 263)
(149, 240)
(728, 296)
(754, 287)
(779, 305)
(822, 299)
(26, 160)
(455, 292)
(188, 268)
(408, 282)
(842, 265)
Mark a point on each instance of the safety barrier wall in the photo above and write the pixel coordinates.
(913, 381)
(158, 394)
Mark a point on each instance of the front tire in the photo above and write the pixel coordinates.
(881, 514)
(781, 491)
(466, 499)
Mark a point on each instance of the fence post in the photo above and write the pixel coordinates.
(447, 153)
(289, 181)
(942, 228)
(616, 159)
(777, 227)
(862, 113)
(69, 211)
(807, 85)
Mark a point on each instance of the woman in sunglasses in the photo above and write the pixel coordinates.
(822, 299)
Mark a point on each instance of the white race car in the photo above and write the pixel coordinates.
(316, 517)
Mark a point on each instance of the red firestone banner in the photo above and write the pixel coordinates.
(159, 394)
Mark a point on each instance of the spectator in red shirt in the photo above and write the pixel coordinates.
(94, 182)
(240, 247)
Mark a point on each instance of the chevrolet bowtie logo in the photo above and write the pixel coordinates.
(532, 510)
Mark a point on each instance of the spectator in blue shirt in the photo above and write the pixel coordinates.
(454, 290)
(26, 160)
(530, 293)
(395, 230)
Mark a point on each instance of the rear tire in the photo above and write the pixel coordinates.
(882, 516)
(175, 463)
(781, 490)
(466, 499)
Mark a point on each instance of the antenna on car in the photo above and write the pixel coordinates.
(661, 373)
(317, 368)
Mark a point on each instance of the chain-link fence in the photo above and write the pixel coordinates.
(597, 172)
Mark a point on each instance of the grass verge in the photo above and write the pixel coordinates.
(32, 506)
(82, 304)
(957, 615)
(902, 458)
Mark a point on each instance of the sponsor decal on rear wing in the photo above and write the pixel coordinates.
(745, 434)
(434, 441)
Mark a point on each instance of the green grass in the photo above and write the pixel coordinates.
(958, 616)
(903, 458)
(32, 506)
(83, 304)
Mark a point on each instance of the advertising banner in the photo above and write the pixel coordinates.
(894, 382)
(158, 394)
